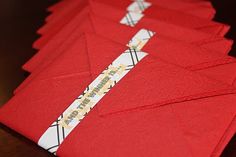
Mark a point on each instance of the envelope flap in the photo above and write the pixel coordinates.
(153, 83)
(158, 12)
(101, 52)
(112, 30)
(225, 73)
(73, 60)
(185, 55)
(176, 52)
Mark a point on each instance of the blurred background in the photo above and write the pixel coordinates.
(19, 20)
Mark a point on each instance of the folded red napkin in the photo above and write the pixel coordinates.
(157, 106)
(201, 9)
(185, 55)
(171, 16)
(160, 13)
(104, 28)
(221, 73)
(171, 31)
(165, 91)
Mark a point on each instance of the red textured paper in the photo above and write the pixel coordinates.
(188, 98)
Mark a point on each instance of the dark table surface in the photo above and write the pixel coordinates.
(19, 20)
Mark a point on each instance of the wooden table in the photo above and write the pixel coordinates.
(19, 21)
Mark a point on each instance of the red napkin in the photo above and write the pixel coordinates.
(171, 16)
(70, 31)
(185, 55)
(177, 101)
(201, 9)
(145, 122)
(162, 14)
(204, 40)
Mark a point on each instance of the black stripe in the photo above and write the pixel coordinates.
(132, 57)
(58, 136)
(135, 52)
(131, 19)
(141, 6)
(52, 147)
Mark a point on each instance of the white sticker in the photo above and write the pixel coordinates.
(138, 6)
(140, 39)
(131, 19)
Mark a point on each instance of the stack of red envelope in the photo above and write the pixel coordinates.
(128, 78)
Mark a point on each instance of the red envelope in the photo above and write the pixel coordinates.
(70, 31)
(202, 9)
(221, 73)
(170, 16)
(163, 14)
(172, 51)
(152, 127)
(169, 30)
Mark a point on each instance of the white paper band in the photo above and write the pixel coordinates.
(71, 117)
(138, 6)
(131, 19)
(140, 39)
(134, 14)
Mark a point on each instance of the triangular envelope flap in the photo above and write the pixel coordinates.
(101, 52)
(72, 61)
(115, 13)
(225, 73)
(166, 29)
(58, 42)
(185, 55)
(164, 14)
(153, 83)
(180, 18)
(174, 31)
(112, 30)
(175, 52)
(45, 57)
(76, 60)
(155, 25)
